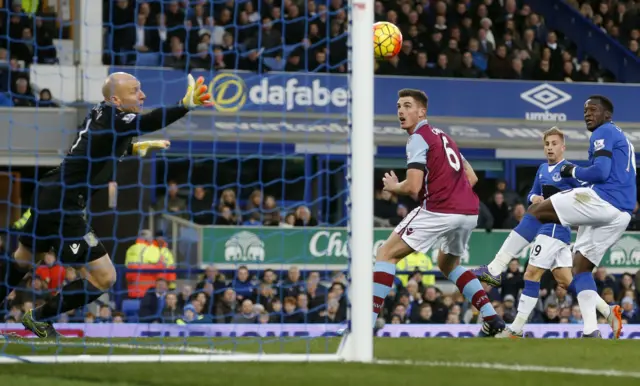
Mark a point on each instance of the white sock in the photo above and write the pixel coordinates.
(587, 300)
(511, 247)
(603, 308)
(525, 307)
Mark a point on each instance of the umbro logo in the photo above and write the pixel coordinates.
(75, 248)
(545, 96)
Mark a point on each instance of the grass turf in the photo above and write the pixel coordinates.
(571, 353)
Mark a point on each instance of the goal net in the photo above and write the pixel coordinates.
(238, 242)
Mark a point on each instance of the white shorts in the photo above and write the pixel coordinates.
(550, 253)
(600, 224)
(421, 230)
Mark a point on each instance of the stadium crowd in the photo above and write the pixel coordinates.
(500, 39)
(296, 296)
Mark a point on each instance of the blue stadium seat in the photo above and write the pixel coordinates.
(273, 63)
(130, 309)
(148, 59)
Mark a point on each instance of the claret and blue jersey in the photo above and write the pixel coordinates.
(547, 182)
(612, 173)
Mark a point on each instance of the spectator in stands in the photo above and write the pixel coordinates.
(432, 298)
(290, 313)
(104, 315)
(228, 199)
(213, 276)
(603, 280)
(22, 97)
(51, 272)
(170, 313)
(304, 218)
(153, 302)
(559, 297)
(517, 214)
(316, 294)
(509, 309)
(291, 285)
(172, 202)
(265, 294)
(629, 310)
(177, 57)
(200, 207)
(499, 210)
(512, 279)
(468, 69)
(384, 207)
(271, 216)
(289, 221)
(626, 283)
(226, 307)
(246, 314)
(254, 204)
(551, 314)
(45, 99)
(242, 283)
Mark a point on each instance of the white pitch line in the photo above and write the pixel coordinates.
(516, 368)
(124, 346)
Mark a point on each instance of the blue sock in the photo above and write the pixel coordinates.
(528, 227)
(531, 288)
(383, 276)
(469, 285)
(583, 282)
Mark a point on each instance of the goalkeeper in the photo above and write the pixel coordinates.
(57, 222)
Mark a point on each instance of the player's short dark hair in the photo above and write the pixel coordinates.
(553, 131)
(604, 101)
(418, 95)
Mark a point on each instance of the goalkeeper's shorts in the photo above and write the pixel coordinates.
(67, 235)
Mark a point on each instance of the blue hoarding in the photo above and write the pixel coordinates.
(283, 93)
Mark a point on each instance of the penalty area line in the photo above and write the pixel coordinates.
(516, 368)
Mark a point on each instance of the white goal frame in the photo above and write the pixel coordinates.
(357, 342)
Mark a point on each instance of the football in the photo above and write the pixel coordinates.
(387, 40)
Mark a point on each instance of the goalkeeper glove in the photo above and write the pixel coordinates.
(197, 94)
(141, 148)
(568, 171)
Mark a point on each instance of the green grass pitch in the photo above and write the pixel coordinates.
(444, 361)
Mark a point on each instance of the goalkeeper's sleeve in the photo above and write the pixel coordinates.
(136, 124)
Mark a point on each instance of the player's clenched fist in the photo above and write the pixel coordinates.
(390, 180)
(141, 148)
(197, 94)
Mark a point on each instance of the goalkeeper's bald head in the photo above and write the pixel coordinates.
(123, 91)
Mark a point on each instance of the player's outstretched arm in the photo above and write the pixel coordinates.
(471, 174)
(137, 124)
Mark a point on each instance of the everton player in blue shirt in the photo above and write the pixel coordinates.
(601, 209)
(551, 248)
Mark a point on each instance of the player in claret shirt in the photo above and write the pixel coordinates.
(440, 178)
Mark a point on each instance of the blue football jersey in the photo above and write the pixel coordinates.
(619, 188)
(547, 183)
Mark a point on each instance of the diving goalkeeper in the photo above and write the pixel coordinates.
(57, 213)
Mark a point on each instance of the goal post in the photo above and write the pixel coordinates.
(359, 343)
